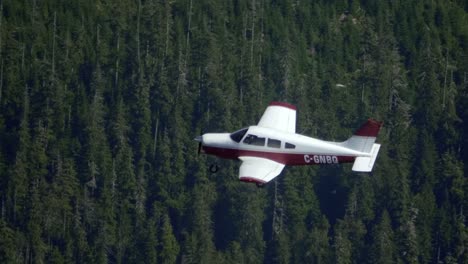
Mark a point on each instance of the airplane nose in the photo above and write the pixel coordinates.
(200, 140)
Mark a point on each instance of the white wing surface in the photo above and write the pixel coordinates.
(259, 170)
(280, 116)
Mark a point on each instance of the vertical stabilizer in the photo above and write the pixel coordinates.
(364, 138)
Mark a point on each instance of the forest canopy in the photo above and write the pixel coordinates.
(100, 101)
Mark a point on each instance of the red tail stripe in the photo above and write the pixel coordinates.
(369, 129)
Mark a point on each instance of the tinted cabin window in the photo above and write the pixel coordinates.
(274, 143)
(290, 146)
(238, 135)
(254, 140)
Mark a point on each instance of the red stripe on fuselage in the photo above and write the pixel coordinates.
(284, 158)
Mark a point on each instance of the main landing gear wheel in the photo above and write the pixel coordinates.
(214, 168)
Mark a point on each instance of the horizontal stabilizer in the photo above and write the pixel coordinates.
(365, 164)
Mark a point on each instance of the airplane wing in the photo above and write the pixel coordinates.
(259, 170)
(280, 116)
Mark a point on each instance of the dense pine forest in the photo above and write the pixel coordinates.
(100, 101)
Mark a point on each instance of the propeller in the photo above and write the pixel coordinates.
(200, 143)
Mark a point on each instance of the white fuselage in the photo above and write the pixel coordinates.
(283, 147)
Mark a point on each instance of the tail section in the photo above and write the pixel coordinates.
(363, 140)
(365, 164)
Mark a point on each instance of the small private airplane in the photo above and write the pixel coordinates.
(266, 148)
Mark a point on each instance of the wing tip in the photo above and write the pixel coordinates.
(283, 104)
(251, 179)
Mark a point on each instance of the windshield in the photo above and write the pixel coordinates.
(238, 135)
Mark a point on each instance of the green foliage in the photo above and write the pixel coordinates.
(100, 101)
(169, 248)
(7, 243)
(383, 248)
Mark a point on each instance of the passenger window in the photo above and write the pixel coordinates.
(290, 146)
(274, 143)
(254, 140)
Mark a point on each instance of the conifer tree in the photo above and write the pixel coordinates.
(169, 248)
(382, 249)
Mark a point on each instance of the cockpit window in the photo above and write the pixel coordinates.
(238, 135)
(290, 146)
(254, 140)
